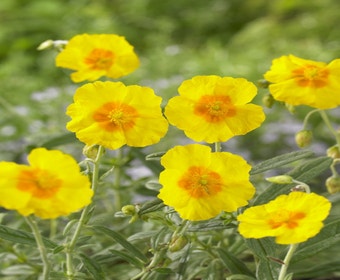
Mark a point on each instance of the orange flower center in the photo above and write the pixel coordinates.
(200, 182)
(99, 59)
(40, 183)
(214, 108)
(114, 116)
(311, 76)
(285, 219)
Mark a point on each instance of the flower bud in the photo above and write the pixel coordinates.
(333, 184)
(281, 179)
(177, 243)
(304, 138)
(268, 100)
(91, 151)
(334, 152)
(45, 45)
(129, 210)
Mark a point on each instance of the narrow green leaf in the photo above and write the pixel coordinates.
(122, 241)
(155, 156)
(279, 161)
(233, 264)
(59, 140)
(210, 225)
(304, 173)
(92, 267)
(151, 206)
(128, 257)
(240, 277)
(265, 248)
(164, 270)
(23, 237)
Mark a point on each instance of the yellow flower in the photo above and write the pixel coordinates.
(214, 109)
(112, 115)
(94, 56)
(291, 219)
(49, 187)
(200, 184)
(298, 81)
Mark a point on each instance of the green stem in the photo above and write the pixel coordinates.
(286, 261)
(330, 127)
(41, 247)
(218, 147)
(83, 217)
(305, 121)
(117, 179)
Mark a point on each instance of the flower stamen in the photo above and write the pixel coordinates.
(311, 76)
(113, 116)
(100, 59)
(214, 108)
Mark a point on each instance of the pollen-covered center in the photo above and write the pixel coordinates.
(100, 59)
(311, 76)
(114, 116)
(40, 183)
(201, 182)
(288, 219)
(214, 108)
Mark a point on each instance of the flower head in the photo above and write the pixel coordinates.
(112, 115)
(291, 219)
(200, 184)
(298, 81)
(97, 55)
(214, 109)
(49, 187)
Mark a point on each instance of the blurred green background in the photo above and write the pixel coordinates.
(175, 41)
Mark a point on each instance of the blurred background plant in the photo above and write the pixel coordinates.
(175, 41)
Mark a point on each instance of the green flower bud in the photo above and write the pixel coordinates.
(268, 100)
(333, 184)
(129, 210)
(281, 179)
(91, 151)
(48, 44)
(177, 243)
(334, 152)
(304, 138)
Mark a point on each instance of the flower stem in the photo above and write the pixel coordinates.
(83, 218)
(286, 261)
(330, 127)
(305, 121)
(117, 179)
(218, 147)
(41, 247)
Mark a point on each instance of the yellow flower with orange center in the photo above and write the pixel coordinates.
(298, 81)
(291, 219)
(214, 109)
(98, 55)
(112, 115)
(50, 186)
(200, 184)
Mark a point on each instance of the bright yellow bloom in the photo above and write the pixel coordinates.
(200, 184)
(94, 56)
(291, 219)
(112, 115)
(214, 109)
(50, 186)
(298, 81)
